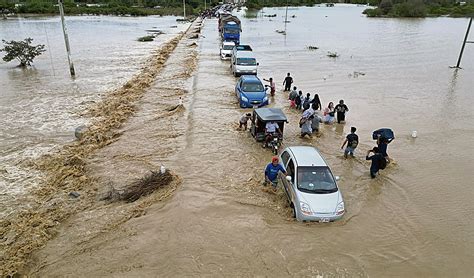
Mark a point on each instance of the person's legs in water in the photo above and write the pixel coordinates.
(373, 174)
(287, 87)
(340, 117)
(348, 151)
(303, 134)
(268, 138)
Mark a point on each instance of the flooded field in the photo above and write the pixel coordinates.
(42, 106)
(413, 220)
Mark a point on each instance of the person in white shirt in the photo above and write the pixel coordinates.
(270, 129)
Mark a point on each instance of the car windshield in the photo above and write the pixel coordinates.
(231, 31)
(246, 62)
(318, 180)
(252, 87)
(228, 47)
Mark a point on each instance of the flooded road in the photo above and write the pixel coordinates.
(42, 106)
(413, 220)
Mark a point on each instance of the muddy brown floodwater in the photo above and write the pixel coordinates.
(215, 220)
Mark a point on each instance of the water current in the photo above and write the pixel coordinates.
(413, 220)
(42, 106)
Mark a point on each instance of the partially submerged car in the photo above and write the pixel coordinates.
(241, 47)
(250, 92)
(243, 62)
(310, 186)
(226, 49)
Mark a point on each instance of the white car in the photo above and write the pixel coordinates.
(310, 186)
(243, 62)
(226, 49)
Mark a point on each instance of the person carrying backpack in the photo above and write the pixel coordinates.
(352, 141)
(378, 161)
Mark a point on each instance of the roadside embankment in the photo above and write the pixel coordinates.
(70, 187)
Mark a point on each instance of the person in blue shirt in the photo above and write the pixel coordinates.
(271, 171)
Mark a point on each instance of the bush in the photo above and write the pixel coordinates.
(6, 7)
(146, 39)
(373, 12)
(385, 6)
(409, 9)
(23, 51)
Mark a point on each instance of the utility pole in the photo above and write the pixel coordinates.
(66, 39)
(286, 15)
(205, 8)
(184, 8)
(464, 44)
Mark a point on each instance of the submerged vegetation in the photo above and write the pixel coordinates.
(22, 51)
(104, 7)
(146, 39)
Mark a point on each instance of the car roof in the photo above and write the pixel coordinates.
(245, 54)
(243, 47)
(250, 78)
(228, 43)
(270, 114)
(307, 156)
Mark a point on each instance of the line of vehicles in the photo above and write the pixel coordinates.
(309, 184)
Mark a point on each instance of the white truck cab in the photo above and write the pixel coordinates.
(244, 62)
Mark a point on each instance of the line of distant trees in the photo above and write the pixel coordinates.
(258, 4)
(387, 8)
(109, 7)
(422, 8)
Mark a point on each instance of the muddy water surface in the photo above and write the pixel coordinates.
(413, 220)
(42, 106)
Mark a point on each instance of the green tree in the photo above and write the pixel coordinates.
(23, 51)
(6, 7)
(385, 6)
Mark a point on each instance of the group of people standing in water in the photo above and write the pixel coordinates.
(310, 120)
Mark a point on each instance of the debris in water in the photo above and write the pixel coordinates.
(332, 54)
(156, 32)
(146, 39)
(312, 47)
(145, 186)
(280, 32)
(414, 134)
(79, 132)
(74, 194)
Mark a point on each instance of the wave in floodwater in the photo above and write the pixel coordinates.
(41, 106)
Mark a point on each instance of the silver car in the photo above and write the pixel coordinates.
(310, 186)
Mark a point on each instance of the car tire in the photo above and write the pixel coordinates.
(293, 210)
